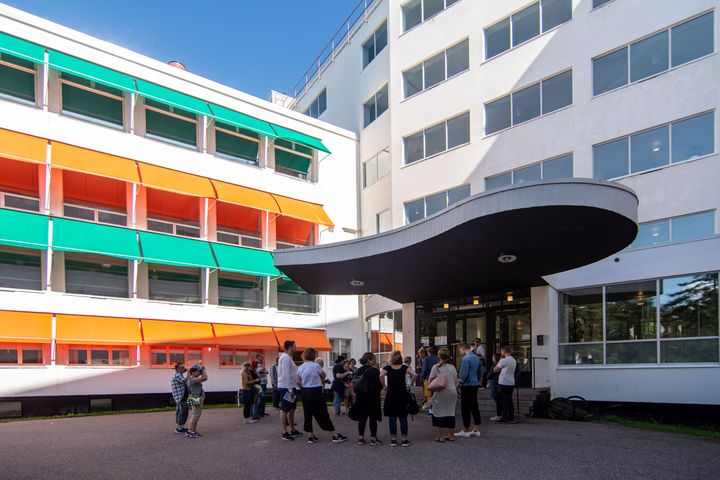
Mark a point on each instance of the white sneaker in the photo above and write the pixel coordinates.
(250, 420)
(475, 434)
(463, 433)
(494, 419)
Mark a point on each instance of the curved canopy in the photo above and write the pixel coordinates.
(548, 226)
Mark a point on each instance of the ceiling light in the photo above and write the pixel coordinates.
(506, 258)
(446, 306)
(476, 301)
(510, 297)
(356, 283)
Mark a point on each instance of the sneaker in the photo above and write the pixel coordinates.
(361, 441)
(256, 418)
(374, 443)
(462, 433)
(312, 439)
(476, 434)
(287, 436)
(295, 433)
(393, 443)
(198, 434)
(405, 443)
(339, 438)
(250, 420)
(190, 434)
(494, 419)
(181, 430)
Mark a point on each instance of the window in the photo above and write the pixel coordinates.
(375, 44)
(99, 355)
(437, 138)
(339, 346)
(21, 354)
(416, 12)
(530, 102)
(292, 298)
(91, 100)
(424, 207)
(526, 24)
(173, 213)
(238, 290)
(173, 228)
(691, 138)
(174, 284)
(170, 123)
(293, 159)
(96, 275)
(652, 55)
(169, 356)
(20, 268)
(676, 229)
(386, 335)
(436, 69)
(599, 3)
(233, 357)
(19, 202)
(17, 78)
(376, 168)
(559, 167)
(582, 322)
(236, 143)
(376, 106)
(318, 105)
(383, 221)
(238, 225)
(98, 215)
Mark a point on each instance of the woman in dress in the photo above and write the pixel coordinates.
(393, 377)
(445, 400)
(366, 406)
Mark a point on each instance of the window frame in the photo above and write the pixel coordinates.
(65, 81)
(244, 160)
(21, 68)
(376, 157)
(97, 259)
(169, 269)
(316, 103)
(195, 121)
(235, 350)
(424, 130)
(18, 346)
(374, 101)
(373, 37)
(3, 201)
(109, 348)
(174, 224)
(671, 239)
(168, 349)
(423, 19)
(425, 197)
(422, 69)
(542, 169)
(96, 213)
(308, 177)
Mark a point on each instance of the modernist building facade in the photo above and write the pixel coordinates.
(139, 207)
(455, 98)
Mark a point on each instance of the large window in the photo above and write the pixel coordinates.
(424, 207)
(599, 3)
(339, 346)
(293, 159)
(21, 354)
(173, 213)
(376, 168)
(17, 78)
(437, 138)
(671, 320)
(436, 69)
(530, 102)
(170, 123)
(416, 12)
(655, 54)
(20, 268)
(88, 99)
(238, 290)
(96, 275)
(169, 356)
(235, 357)
(236, 143)
(95, 355)
(376, 106)
(679, 141)
(318, 105)
(526, 24)
(675, 229)
(292, 298)
(174, 284)
(375, 44)
(559, 167)
(386, 335)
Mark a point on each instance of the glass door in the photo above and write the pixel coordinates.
(512, 326)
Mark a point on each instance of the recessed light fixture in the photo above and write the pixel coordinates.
(476, 301)
(356, 283)
(510, 297)
(446, 306)
(506, 258)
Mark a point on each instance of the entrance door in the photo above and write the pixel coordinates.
(512, 326)
(468, 327)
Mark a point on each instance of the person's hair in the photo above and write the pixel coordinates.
(506, 349)
(288, 344)
(366, 358)
(421, 351)
(478, 340)
(340, 359)
(247, 365)
(309, 355)
(320, 362)
(444, 355)
(195, 368)
(431, 350)
(396, 358)
(352, 360)
(178, 365)
(464, 346)
(407, 360)
(258, 355)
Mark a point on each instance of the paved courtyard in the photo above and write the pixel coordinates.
(140, 446)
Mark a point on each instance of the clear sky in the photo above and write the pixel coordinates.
(251, 45)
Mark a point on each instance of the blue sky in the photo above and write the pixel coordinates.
(251, 45)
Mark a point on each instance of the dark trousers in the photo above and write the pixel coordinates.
(498, 405)
(392, 422)
(259, 407)
(361, 426)
(314, 406)
(469, 405)
(248, 401)
(508, 409)
(276, 398)
(181, 412)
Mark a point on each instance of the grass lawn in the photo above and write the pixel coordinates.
(707, 432)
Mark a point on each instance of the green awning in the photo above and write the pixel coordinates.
(172, 98)
(243, 121)
(21, 48)
(301, 138)
(26, 230)
(77, 236)
(259, 263)
(178, 251)
(91, 71)
(290, 287)
(291, 161)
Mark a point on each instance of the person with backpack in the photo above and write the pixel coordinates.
(396, 397)
(366, 407)
(179, 393)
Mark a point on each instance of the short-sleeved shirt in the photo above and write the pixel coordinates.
(194, 386)
(309, 373)
(507, 372)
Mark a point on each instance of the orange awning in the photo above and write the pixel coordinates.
(163, 332)
(312, 212)
(244, 196)
(303, 338)
(19, 146)
(96, 163)
(244, 336)
(171, 180)
(25, 327)
(85, 330)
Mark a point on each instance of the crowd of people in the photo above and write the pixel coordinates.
(360, 389)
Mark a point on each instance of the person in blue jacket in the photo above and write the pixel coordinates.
(469, 382)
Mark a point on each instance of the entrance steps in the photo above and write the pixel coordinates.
(523, 398)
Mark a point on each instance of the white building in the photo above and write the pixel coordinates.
(453, 98)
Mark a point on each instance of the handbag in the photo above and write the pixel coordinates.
(354, 412)
(412, 406)
(438, 383)
(193, 400)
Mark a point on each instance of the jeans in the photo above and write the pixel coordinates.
(181, 412)
(469, 405)
(248, 402)
(337, 401)
(508, 409)
(259, 405)
(392, 422)
(373, 426)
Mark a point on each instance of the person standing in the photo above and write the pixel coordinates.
(444, 401)
(179, 393)
(469, 381)
(479, 350)
(506, 383)
(367, 388)
(287, 380)
(410, 375)
(340, 375)
(427, 364)
(395, 408)
(492, 384)
(274, 384)
(248, 385)
(196, 397)
(262, 375)
(311, 379)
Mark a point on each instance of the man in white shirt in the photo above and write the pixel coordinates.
(287, 378)
(506, 383)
